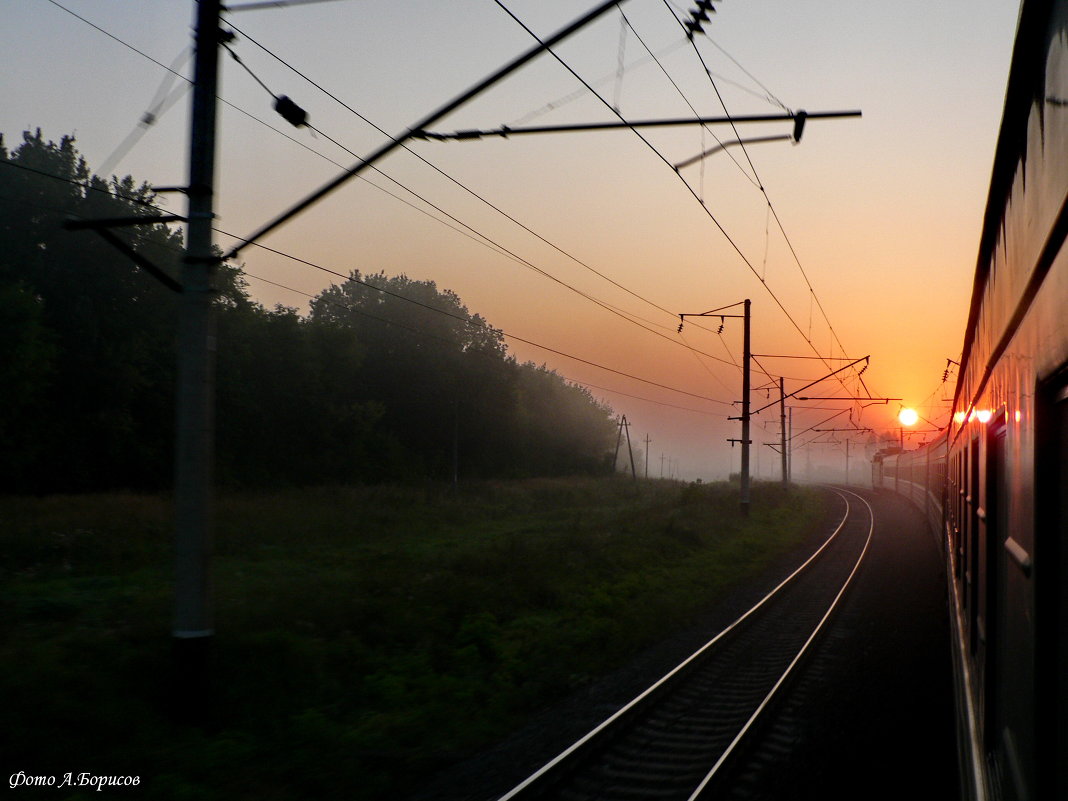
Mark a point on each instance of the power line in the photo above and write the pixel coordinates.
(89, 186)
(678, 89)
(704, 206)
(625, 315)
(398, 296)
(471, 323)
(86, 185)
(592, 91)
(467, 321)
(624, 122)
(257, 119)
(117, 39)
(559, 102)
(465, 188)
(439, 113)
(442, 339)
(775, 214)
(262, 4)
(769, 95)
(628, 316)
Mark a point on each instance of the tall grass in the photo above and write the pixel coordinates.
(366, 636)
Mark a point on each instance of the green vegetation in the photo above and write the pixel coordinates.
(367, 636)
(385, 379)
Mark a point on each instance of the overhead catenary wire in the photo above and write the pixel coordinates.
(570, 97)
(626, 123)
(169, 69)
(628, 316)
(112, 36)
(453, 180)
(240, 110)
(396, 141)
(428, 334)
(609, 307)
(467, 321)
(244, 112)
(258, 5)
(821, 422)
(507, 334)
(734, 245)
(774, 213)
(682, 94)
(768, 94)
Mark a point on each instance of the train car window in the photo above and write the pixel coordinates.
(1011, 643)
(1051, 595)
(958, 523)
(971, 556)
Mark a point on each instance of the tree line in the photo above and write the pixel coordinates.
(386, 378)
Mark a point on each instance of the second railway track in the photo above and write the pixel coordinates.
(676, 739)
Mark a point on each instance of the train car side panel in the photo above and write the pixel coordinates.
(1006, 450)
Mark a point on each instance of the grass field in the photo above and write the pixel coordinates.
(366, 636)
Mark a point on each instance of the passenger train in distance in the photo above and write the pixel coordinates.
(995, 481)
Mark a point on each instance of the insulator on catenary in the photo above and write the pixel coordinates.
(290, 111)
(697, 16)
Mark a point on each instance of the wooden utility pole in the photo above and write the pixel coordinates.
(647, 441)
(624, 425)
(193, 630)
(630, 450)
(619, 440)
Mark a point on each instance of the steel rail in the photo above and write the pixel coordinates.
(647, 694)
(747, 727)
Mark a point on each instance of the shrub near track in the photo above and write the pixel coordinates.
(367, 636)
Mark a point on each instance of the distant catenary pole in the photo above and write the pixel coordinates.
(746, 355)
(782, 427)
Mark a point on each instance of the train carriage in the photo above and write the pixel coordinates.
(997, 477)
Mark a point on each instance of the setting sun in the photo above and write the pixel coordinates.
(908, 417)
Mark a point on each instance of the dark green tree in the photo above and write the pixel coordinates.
(442, 375)
(451, 392)
(96, 332)
(387, 378)
(289, 408)
(562, 427)
(91, 419)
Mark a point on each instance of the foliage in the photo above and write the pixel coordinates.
(92, 339)
(387, 378)
(367, 636)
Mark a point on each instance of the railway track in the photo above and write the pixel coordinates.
(680, 738)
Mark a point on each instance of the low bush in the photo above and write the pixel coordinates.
(366, 636)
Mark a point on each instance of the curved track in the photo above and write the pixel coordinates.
(676, 739)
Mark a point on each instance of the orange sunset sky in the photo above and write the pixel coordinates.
(881, 214)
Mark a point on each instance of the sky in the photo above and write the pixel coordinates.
(859, 240)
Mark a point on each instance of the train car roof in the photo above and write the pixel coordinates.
(1026, 84)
